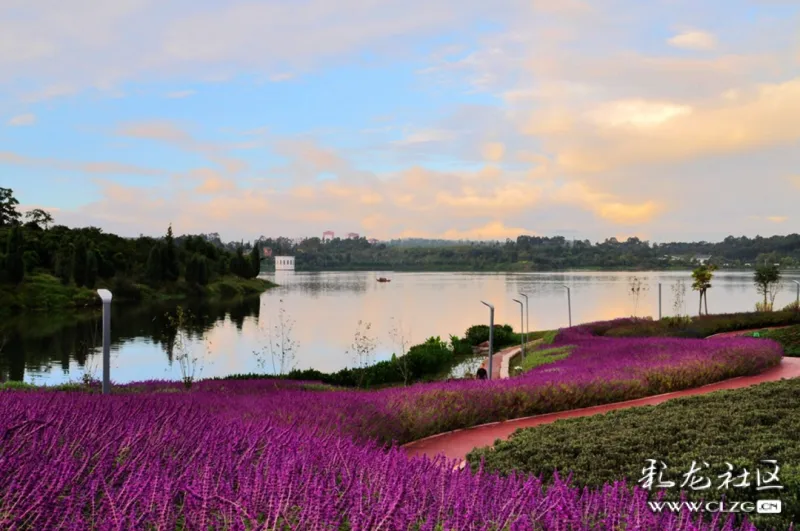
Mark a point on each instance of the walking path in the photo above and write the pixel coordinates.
(457, 444)
(502, 359)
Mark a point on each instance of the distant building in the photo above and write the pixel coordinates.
(702, 258)
(352, 235)
(284, 263)
(327, 236)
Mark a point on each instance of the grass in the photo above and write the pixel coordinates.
(789, 338)
(42, 292)
(536, 358)
(741, 427)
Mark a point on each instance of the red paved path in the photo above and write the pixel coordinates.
(457, 444)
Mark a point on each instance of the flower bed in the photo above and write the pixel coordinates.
(218, 459)
(235, 454)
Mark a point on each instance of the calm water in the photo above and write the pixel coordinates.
(325, 309)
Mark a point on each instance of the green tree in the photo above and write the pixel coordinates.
(40, 217)
(197, 270)
(63, 263)
(240, 266)
(255, 261)
(8, 208)
(155, 264)
(702, 282)
(767, 278)
(15, 262)
(91, 269)
(79, 261)
(171, 267)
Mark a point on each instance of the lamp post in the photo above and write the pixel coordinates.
(569, 305)
(105, 296)
(659, 301)
(522, 326)
(527, 322)
(491, 336)
(798, 294)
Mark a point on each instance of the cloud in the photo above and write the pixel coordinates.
(693, 40)
(656, 132)
(494, 151)
(180, 94)
(22, 120)
(777, 219)
(494, 230)
(92, 168)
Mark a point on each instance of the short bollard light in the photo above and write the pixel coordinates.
(105, 296)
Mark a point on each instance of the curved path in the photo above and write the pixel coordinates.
(457, 444)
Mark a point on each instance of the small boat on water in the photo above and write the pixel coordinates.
(383, 279)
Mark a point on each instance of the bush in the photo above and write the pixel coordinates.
(742, 427)
(503, 335)
(125, 288)
(789, 338)
(698, 327)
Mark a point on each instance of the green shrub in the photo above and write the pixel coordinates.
(742, 427)
(698, 327)
(503, 335)
(789, 338)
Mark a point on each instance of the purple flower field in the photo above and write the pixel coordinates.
(266, 454)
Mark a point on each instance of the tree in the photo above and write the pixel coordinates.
(154, 269)
(197, 270)
(171, 267)
(255, 261)
(79, 258)
(39, 217)
(91, 269)
(702, 282)
(8, 208)
(63, 263)
(767, 279)
(15, 262)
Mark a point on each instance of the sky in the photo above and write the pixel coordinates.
(669, 120)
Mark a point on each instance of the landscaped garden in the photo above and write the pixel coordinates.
(241, 454)
(741, 427)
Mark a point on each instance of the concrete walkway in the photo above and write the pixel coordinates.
(502, 359)
(457, 444)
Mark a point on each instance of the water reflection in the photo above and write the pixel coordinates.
(326, 308)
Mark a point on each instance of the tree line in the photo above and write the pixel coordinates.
(85, 256)
(533, 253)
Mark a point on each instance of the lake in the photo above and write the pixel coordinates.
(324, 310)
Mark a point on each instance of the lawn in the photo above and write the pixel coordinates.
(741, 427)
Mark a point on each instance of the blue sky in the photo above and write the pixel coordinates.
(452, 119)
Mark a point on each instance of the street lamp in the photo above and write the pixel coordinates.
(569, 305)
(491, 335)
(522, 326)
(527, 322)
(798, 294)
(659, 301)
(105, 296)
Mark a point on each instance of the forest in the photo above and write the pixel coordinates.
(533, 253)
(168, 265)
(45, 265)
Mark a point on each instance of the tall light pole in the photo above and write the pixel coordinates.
(798, 294)
(522, 326)
(527, 322)
(491, 335)
(105, 296)
(569, 305)
(659, 301)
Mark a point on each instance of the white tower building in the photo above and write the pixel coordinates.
(284, 263)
